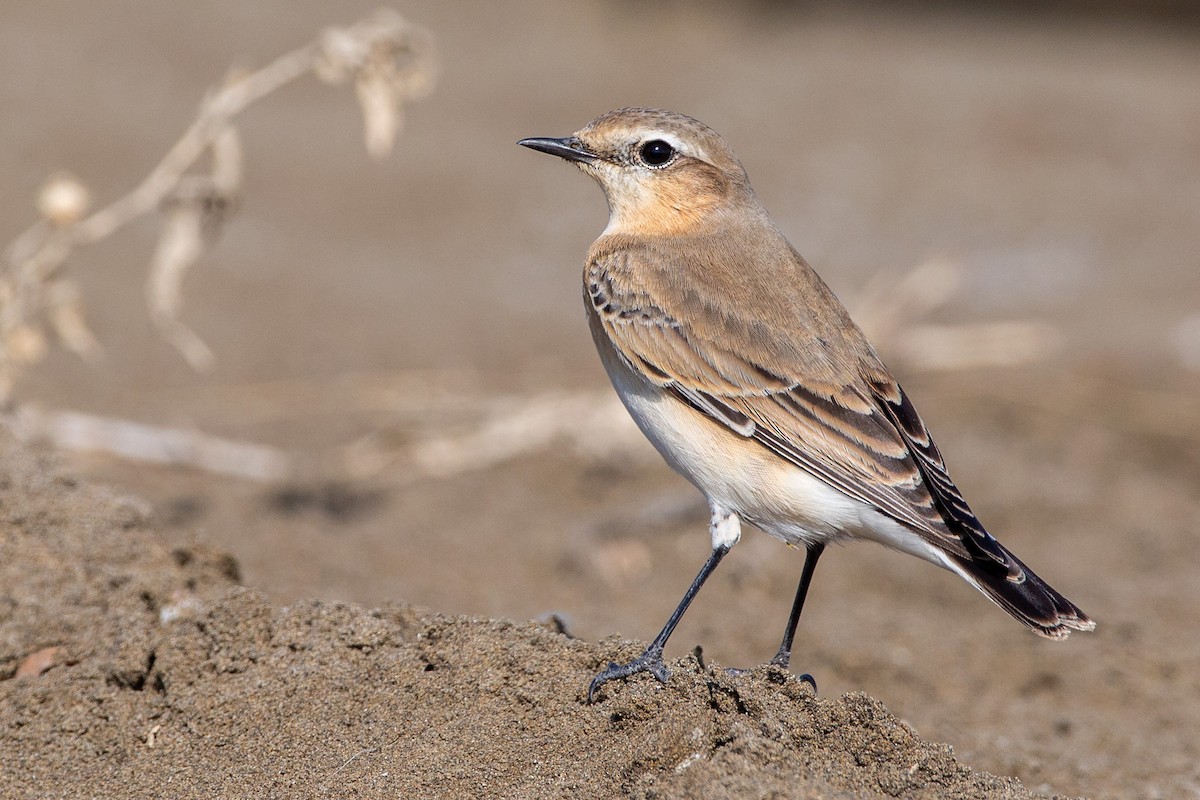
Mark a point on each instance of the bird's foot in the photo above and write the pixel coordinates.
(649, 661)
(804, 677)
(779, 675)
(783, 661)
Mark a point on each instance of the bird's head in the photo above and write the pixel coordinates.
(663, 173)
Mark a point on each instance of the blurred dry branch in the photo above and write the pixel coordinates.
(391, 62)
(136, 441)
(891, 310)
(591, 424)
(477, 433)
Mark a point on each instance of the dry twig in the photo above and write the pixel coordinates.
(136, 441)
(891, 311)
(391, 62)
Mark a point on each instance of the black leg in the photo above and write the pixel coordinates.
(784, 657)
(651, 660)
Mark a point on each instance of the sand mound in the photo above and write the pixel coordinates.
(166, 678)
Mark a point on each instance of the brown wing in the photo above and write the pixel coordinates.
(836, 413)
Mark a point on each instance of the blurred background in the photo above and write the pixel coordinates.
(1007, 197)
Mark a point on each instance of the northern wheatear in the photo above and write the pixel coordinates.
(750, 378)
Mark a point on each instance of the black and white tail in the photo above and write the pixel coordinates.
(986, 564)
(1024, 595)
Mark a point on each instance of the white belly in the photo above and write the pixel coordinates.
(741, 475)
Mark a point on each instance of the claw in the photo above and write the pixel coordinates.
(780, 674)
(648, 661)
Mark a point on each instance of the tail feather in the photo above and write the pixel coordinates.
(1024, 595)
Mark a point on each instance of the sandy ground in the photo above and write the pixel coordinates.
(357, 304)
(165, 679)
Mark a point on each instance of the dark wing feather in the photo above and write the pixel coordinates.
(955, 512)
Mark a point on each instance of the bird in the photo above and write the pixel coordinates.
(749, 377)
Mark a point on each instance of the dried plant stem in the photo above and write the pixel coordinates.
(391, 62)
(215, 113)
(136, 441)
(890, 310)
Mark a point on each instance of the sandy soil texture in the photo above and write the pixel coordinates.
(165, 678)
(385, 324)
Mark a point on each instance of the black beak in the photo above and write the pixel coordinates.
(569, 148)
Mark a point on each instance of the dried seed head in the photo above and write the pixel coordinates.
(63, 200)
(25, 344)
(339, 56)
(391, 61)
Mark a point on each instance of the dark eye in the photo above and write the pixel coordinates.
(656, 152)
